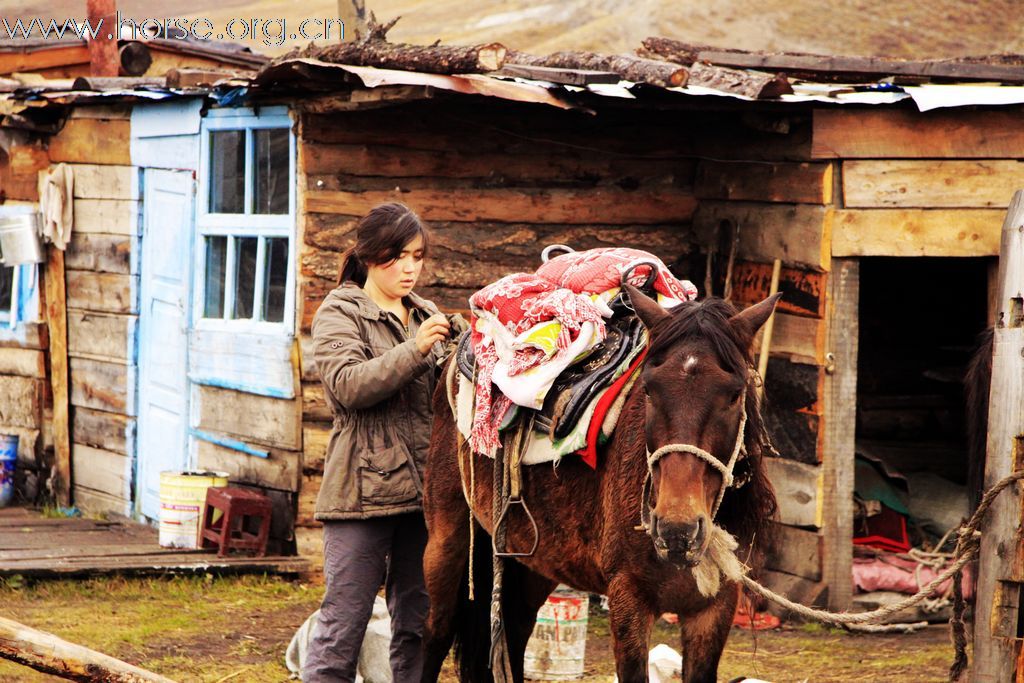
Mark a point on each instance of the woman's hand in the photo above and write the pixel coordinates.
(433, 329)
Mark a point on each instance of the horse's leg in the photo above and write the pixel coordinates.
(444, 565)
(630, 619)
(523, 593)
(703, 636)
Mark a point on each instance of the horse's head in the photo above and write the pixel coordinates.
(697, 389)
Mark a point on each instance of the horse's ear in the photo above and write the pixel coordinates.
(749, 321)
(647, 308)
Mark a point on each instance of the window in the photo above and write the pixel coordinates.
(8, 297)
(246, 221)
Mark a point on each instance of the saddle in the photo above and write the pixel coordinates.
(577, 386)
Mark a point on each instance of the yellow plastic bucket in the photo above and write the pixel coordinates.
(556, 649)
(182, 496)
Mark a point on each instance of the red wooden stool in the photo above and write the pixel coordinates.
(238, 506)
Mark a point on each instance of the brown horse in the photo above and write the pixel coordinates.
(695, 394)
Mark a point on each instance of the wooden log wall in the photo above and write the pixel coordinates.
(25, 399)
(101, 266)
(495, 182)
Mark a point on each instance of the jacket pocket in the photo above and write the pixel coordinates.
(386, 477)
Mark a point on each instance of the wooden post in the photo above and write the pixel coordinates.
(57, 320)
(1001, 567)
(47, 653)
(769, 327)
(840, 395)
(104, 59)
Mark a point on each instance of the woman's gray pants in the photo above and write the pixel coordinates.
(358, 556)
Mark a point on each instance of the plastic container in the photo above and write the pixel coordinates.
(182, 496)
(556, 648)
(19, 236)
(8, 461)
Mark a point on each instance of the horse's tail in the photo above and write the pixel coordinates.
(473, 617)
(977, 382)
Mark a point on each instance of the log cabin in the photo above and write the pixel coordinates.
(173, 333)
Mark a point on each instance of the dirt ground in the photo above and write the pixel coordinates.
(216, 630)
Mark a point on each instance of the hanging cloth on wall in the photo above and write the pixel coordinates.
(56, 203)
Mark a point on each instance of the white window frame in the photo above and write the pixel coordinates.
(247, 224)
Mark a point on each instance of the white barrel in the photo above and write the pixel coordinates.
(556, 648)
(182, 497)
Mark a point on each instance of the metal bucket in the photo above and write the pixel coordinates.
(182, 497)
(19, 236)
(556, 648)
(8, 461)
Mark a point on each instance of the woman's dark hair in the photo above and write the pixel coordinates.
(380, 237)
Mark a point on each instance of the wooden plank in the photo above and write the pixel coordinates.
(102, 470)
(308, 492)
(23, 362)
(27, 335)
(795, 183)
(102, 335)
(309, 545)
(102, 252)
(800, 590)
(22, 402)
(315, 438)
(314, 403)
(840, 404)
(93, 181)
(101, 429)
(597, 205)
(1001, 574)
(279, 471)
(110, 216)
(257, 419)
(916, 232)
(803, 291)
(800, 339)
(103, 385)
(567, 165)
(105, 292)
(982, 183)
(795, 233)
(891, 133)
(93, 141)
(19, 176)
(255, 363)
(94, 502)
(798, 491)
(795, 551)
(792, 409)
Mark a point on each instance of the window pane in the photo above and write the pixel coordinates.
(6, 289)
(227, 171)
(271, 172)
(216, 260)
(275, 279)
(245, 276)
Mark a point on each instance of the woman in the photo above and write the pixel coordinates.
(375, 344)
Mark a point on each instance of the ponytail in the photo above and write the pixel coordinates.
(350, 268)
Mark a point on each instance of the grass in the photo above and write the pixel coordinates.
(207, 629)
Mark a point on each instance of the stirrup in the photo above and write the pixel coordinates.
(501, 518)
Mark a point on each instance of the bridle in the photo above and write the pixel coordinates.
(726, 469)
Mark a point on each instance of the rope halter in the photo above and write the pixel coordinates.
(726, 469)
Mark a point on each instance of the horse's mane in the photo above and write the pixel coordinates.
(745, 511)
